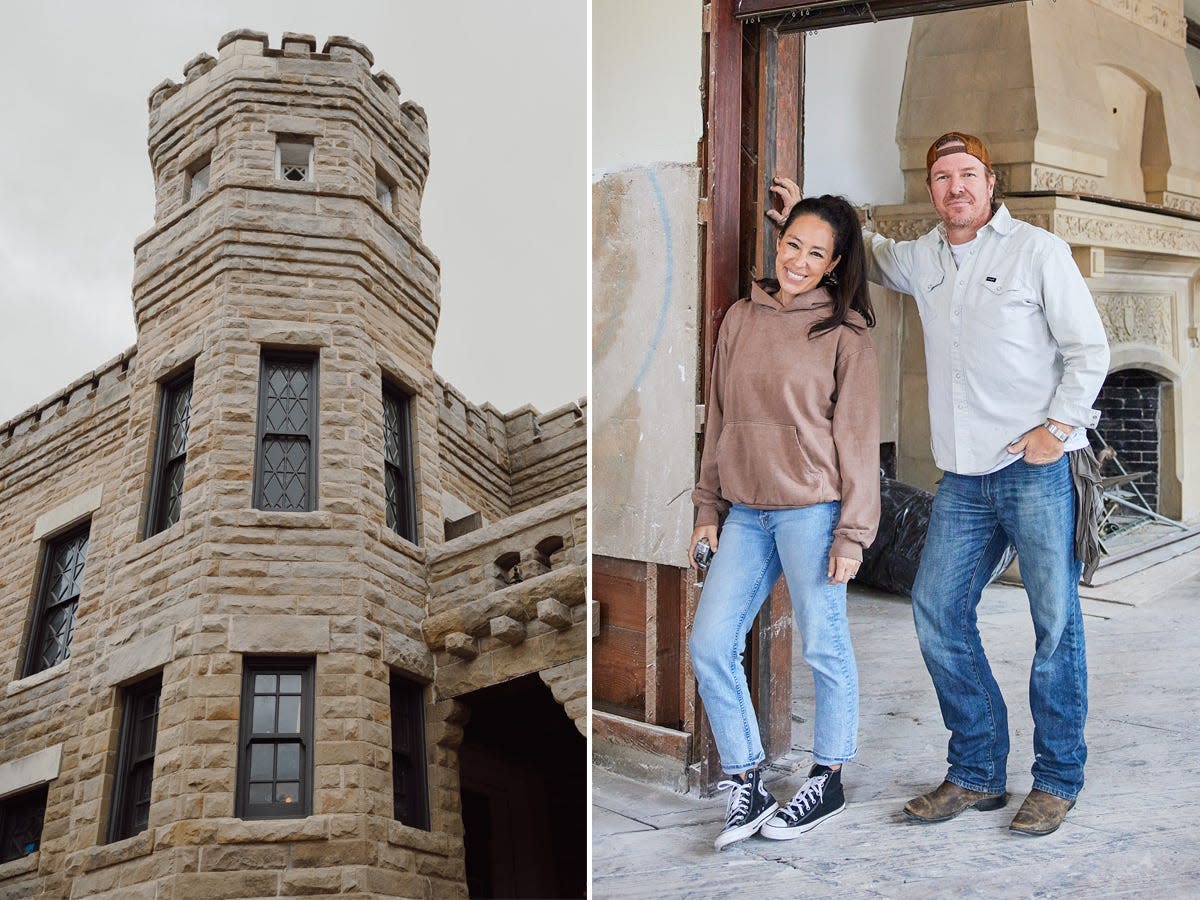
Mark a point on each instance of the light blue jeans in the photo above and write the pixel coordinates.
(755, 545)
(974, 518)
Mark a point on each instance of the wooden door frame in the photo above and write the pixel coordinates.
(752, 132)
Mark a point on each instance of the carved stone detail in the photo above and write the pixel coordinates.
(1075, 228)
(1157, 17)
(1181, 202)
(1138, 318)
(1046, 178)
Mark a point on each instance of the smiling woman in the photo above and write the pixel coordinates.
(789, 484)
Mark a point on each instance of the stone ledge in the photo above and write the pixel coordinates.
(23, 866)
(31, 681)
(95, 858)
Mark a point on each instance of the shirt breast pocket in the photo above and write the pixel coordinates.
(1007, 302)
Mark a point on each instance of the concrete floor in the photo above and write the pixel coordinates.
(1135, 831)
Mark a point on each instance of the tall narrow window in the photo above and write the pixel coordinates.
(135, 760)
(21, 817)
(58, 595)
(287, 436)
(166, 484)
(398, 464)
(383, 189)
(410, 789)
(197, 178)
(275, 746)
(294, 159)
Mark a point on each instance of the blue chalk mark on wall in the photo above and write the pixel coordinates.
(668, 278)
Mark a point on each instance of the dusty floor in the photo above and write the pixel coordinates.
(1134, 833)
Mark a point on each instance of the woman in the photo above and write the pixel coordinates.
(791, 462)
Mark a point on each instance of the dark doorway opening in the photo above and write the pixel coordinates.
(523, 770)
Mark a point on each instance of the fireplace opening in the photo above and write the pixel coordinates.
(1131, 423)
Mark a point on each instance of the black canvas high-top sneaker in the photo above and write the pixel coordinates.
(749, 805)
(819, 798)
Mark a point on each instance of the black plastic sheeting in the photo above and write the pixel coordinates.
(890, 564)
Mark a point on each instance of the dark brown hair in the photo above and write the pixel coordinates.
(851, 291)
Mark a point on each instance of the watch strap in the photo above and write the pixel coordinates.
(1056, 431)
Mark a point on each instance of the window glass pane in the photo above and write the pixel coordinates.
(264, 684)
(288, 762)
(287, 792)
(285, 473)
(289, 684)
(262, 762)
(289, 715)
(260, 793)
(263, 721)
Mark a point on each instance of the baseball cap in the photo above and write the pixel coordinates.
(957, 142)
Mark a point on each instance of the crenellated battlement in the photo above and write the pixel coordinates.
(43, 414)
(500, 463)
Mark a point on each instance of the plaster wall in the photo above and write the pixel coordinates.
(647, 121)
(852, 81)
(646, 74)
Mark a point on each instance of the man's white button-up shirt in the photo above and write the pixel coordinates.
(1012, 337)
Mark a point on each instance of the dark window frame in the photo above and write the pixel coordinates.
(248, 738)
(410, 768)
(32, 663)
(131, 786)
(156, 511)
(13, 809)
(401, 502)
(268, 359)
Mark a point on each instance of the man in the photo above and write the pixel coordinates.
(1016, 354)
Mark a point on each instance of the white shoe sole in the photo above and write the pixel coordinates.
(725, 838)
(786, 833)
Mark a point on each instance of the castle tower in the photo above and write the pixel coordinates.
(285, 613)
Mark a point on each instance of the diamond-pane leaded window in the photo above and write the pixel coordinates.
(275, 759)
(410, 791)
(21, 817)
(58, 595)
(287, 427)
(166, 491)
(135, 760)
(397, 464)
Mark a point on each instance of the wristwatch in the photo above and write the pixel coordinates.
(1056, 431)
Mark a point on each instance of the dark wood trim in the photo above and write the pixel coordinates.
(669, 641)
(787, 15)
(723, 126)
(1193, 32)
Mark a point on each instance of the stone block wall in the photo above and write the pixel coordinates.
(500, 464)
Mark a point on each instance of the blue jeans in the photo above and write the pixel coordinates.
(754, 547)
(974, 517)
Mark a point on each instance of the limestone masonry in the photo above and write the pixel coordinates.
(239, 656)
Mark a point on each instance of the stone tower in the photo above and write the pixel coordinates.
(279, 676)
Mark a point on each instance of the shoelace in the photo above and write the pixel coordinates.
(806, 798)
(739, 798)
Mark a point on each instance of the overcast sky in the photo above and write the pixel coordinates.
(503, 83)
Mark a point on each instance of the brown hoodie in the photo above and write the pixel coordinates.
(791, 420)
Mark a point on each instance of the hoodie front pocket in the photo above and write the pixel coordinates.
(765, 465)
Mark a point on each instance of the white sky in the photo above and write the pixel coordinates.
(504, 86)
